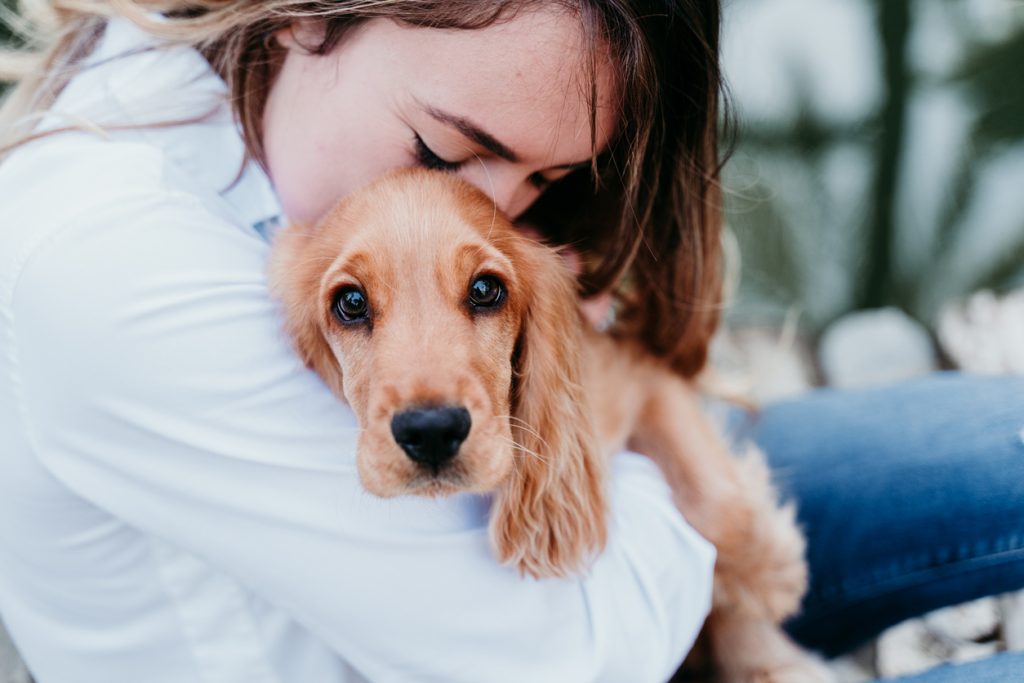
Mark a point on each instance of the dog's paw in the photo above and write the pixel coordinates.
(759, 652)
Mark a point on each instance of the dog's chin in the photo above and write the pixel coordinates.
(389, 478)
(407, 479)
(434, 486)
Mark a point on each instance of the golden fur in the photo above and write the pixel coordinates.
(549, 399)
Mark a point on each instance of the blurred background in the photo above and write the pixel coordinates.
(879, 157)
(876, 200)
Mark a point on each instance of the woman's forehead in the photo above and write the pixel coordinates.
(526, 81)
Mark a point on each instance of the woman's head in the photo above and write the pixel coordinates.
(606, 109)
(506, 107)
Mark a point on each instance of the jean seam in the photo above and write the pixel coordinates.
(893, 584)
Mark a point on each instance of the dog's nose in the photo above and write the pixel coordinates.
(431, 436)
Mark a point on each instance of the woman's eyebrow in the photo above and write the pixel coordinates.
(473, 132)
(485, 139)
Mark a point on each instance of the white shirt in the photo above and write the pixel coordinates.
(178, 497)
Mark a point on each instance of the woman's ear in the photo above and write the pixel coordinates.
(294, 274)
(549, 517)
(302, 34)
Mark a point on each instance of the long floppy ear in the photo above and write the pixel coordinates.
(549, 517)
(297, 264)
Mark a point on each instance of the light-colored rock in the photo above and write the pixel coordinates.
(905, 649)
(762, 364)
(944, 636)
(970, 621)
(856, 667)
(869, 348)
(970, 652)
(984, 334)
(1011, 609)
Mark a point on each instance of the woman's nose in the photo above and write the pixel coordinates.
(511, 191)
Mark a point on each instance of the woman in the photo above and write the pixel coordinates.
(179, 497)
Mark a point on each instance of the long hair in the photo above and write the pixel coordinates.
(645, 215)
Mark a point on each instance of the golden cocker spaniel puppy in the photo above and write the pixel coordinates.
(459, 344)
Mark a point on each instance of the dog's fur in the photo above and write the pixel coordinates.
(549, 399)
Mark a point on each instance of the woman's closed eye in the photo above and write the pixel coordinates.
(427, 158)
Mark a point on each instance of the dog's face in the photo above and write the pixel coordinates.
(421, 310)
(457, 342)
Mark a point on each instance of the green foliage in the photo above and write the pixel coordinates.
(6, 35)
(830, 241)
(992, 74)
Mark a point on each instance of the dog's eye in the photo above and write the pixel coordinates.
(486, 291)
(350, 305)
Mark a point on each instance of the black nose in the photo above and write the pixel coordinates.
(431, 436)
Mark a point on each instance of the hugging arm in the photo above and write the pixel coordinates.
(157, 385)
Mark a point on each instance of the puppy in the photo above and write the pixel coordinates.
(458, 343)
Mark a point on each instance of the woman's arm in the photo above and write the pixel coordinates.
(156, 384)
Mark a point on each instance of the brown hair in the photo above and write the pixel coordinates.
(645, 215)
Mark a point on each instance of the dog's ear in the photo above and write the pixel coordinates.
(549, 517)
(296, 266)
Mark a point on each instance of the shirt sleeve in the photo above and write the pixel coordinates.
(156, 384)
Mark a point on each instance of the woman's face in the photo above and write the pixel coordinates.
(504, 107)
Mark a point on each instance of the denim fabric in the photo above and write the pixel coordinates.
(1003, 668)
(911, 496)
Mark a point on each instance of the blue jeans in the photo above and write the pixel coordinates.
(912, 498)
(1005, 667)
